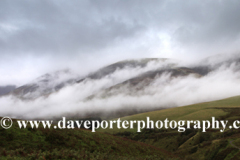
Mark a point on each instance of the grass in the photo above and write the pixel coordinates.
(157, 144)
(43, 144)
(201, 111)
(191, 144)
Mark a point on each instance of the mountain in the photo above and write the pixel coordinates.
(146, 71)
(144, 80)
(121, 65)
(6, 89)
(132, 86)
(53, 82)
(44, 85)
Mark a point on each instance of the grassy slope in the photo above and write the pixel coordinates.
(69, 144)
(201, 111)
(192, 144)
(83, 144)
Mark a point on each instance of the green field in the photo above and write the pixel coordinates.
(226, 109)
(191, 144)
(44, 144)
(156, 144)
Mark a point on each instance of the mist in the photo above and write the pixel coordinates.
(163, 91)
(40, 40)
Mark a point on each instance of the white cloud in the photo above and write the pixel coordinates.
(163, 92)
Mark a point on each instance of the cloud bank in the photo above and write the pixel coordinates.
(163, 92)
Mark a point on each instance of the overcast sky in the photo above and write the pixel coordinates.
(37, 37)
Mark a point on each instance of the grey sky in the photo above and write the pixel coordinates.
(41, 36)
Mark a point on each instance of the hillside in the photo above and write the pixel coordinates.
(155, 79)
(6, 89)
(226, 108)
(128, 144)
(125, 88)
(44, 85)
(43, 144)
(191, 144)
(143, 81)
(107, 70)
(55, 81)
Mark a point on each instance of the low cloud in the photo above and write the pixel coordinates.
(163, 92)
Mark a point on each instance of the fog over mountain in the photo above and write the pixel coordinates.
(45, 85)
(6, 89)
(128, 87)
(116, 57)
